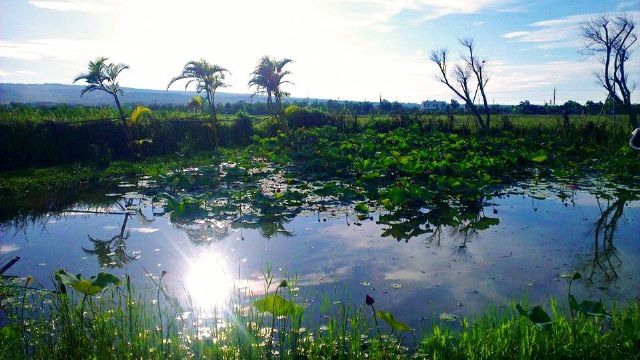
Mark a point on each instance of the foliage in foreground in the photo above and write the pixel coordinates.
(103, 318)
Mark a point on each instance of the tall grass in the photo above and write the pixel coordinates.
(124, 323)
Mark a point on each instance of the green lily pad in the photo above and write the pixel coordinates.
(87, 287)
(276, 305)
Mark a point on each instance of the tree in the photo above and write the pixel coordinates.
(102, 76)
(612, 40)
(208, 78)
(268, 78)
(454, 105)
(467, 80)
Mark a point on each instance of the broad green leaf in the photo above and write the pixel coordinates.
(389, 319)
(88, 287)
(591, 308)
(537, 315)
(276, 305)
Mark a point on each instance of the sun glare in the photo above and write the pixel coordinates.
(208, 282)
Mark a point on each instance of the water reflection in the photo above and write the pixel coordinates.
(605, 258)
(112, 252)
(523, 238)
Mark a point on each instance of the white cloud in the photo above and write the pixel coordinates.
(506, 77)
(556, 33)
(3, 73)
(379, 14)
(71, 5)
(59, 49)
(627, 5)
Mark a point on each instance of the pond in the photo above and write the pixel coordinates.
(214, 235)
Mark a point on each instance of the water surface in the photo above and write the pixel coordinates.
(417, 264)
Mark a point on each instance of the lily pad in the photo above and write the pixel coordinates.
(276, 305)
(87, 287)
(448, 317)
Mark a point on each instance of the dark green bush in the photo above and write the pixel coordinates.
(27, 144)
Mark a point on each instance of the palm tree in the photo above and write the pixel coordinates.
(268, 78)
(102, 76)
(208, 78)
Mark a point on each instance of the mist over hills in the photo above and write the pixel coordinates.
(70, 94)
(51, 94)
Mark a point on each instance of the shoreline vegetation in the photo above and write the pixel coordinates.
(104, 317)
(99, 166)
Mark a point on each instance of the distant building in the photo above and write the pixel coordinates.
(433, 105)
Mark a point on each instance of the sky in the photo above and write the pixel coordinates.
(342, 49)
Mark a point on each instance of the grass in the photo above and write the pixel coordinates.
(122, 323)
(70, 113)
(496, 335)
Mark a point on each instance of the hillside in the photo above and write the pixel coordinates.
(70, 94)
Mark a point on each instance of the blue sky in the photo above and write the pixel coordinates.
(348, 49)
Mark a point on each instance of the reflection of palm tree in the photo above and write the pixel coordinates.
(112, 253)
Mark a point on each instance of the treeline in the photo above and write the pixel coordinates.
(64, 112)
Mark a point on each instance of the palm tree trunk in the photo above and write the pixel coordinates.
(213, 120)
(125, 127)
(283, 120)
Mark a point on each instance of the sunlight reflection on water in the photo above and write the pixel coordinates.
(208, 282)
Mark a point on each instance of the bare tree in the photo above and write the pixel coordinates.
(467, 79)
(612, 39)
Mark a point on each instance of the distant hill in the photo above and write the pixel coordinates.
(70, 94)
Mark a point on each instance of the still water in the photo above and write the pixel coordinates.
(418, 264)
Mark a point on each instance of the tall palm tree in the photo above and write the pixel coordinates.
(102, 76)
(268, 78)
(261, 79)
(208, 78)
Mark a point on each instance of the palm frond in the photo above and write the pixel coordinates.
(137, 114)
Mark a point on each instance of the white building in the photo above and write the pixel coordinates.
(434, 105)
